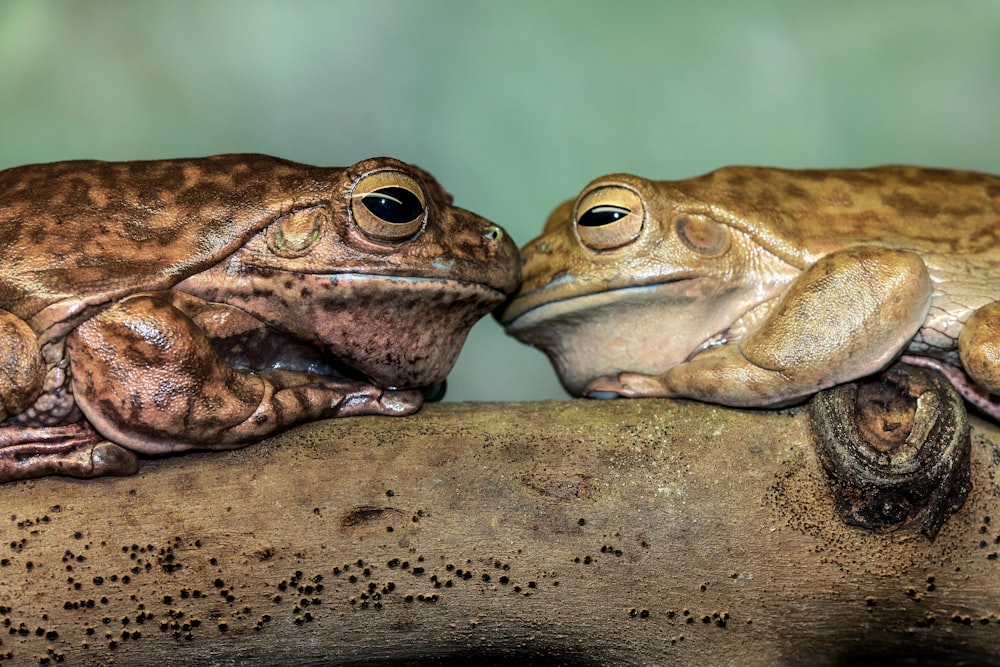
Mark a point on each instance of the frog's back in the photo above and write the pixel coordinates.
(801, 215)
(88, 229)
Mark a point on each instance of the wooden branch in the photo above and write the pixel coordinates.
(624, 532)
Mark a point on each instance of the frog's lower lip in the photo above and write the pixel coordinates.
(527, 305)
(424, 283)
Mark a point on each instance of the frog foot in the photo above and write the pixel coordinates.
(626, 385)
(74, 450)
(895, 448)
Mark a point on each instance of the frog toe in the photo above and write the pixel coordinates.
(606, 387)
(109, 459)
(625, 385)
(371, 400)
(400, 403)
(602, 395)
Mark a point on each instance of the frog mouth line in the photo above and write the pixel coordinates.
(513, 316)
(423, 282)
(57, 320)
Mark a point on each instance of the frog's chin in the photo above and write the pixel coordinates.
(398, 332)
(395, 331)
(647, 330)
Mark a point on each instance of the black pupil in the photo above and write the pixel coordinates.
(393, 204)
(602, 215)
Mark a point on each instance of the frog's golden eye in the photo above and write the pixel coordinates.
(703, 235)
(602, 216)
(388, 206)
(609, 217)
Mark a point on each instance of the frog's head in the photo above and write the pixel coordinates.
(633, 275)
(385, 275)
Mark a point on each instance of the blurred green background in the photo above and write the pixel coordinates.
(514, 106)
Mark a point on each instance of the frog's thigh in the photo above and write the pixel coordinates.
(845, 316)
(146, 377)
(22, 370)
(979, 347)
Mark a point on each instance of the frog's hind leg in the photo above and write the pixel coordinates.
(148, 378)
(979, 347)
(74, 450)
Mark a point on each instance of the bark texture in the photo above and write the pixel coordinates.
(632, 532)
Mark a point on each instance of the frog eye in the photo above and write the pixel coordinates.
(393, 204)
(388, 206)
(609, 217)
(703, 235)
(599, 216)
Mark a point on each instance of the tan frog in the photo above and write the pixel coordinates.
(754, 286)
(159, 306)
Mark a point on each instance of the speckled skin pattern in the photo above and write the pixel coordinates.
(205, 303)
(754, 286)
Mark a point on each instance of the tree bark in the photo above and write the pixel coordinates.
(624, 532)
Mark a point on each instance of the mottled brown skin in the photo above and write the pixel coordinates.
(753, 286)
(160, 306)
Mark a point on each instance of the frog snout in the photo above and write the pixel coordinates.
(506, 259)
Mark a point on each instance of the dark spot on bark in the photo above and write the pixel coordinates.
(363, 514)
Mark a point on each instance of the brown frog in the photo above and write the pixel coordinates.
(160, 306)
(755, 286)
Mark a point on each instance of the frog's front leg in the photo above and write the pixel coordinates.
(148, 378)
(846, 316)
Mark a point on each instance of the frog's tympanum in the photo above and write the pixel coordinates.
(160, 306)
(756, 286)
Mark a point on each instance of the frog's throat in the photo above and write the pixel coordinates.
(645, 329)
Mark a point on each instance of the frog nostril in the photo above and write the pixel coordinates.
(493, 233)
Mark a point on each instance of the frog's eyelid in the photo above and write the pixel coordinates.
(608, 208)
(362, 195)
